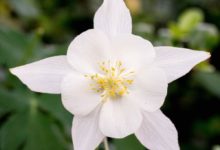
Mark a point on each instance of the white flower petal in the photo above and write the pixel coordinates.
(119, 118)
(45, 75)
(133, 51)
(149, 88)
(176, 62)
(77, 96)
(87, 50)
(114, 18)
(157, 132)
(85, 131)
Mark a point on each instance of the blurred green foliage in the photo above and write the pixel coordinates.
(187, 21)
(31, 30)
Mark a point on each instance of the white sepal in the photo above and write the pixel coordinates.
(44, 76)
(176, 62)
(85, 131)
(157, 132)
(113, 17)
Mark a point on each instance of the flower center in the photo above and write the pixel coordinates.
(114, 80)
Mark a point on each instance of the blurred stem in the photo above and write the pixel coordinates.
(106, 144)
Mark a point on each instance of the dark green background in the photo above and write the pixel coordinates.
(31, 30)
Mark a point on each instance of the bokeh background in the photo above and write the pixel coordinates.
(31, 30)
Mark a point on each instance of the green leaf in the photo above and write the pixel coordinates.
(187, 22)
(43, 134)
(11, 101)
(25, 8)
(208, 128)
(205, 36)
(22, 48)
(190, 19)
(13, 132)
(209, 81)
(12, 45)
(53, 105)
(32, 129)
(128, 143)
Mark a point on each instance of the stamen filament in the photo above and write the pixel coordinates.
(113, 82)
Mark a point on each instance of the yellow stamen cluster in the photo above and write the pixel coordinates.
(114, 80)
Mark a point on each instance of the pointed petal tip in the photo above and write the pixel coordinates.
(15, 71)
(206, 55)
(12, 71)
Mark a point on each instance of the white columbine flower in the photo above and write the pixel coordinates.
(114, 82)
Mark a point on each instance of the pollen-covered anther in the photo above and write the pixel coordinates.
(113, 82)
